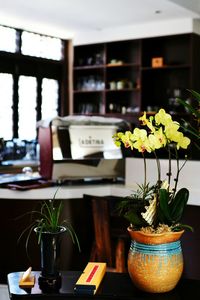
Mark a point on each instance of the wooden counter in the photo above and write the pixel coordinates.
(67, 192)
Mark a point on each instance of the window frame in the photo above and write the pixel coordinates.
(19, 64)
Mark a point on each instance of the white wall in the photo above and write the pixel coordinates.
(189, 176)
(153, 29)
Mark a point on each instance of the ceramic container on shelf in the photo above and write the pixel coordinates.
(155, 261)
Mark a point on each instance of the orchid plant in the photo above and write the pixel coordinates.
(156, 206)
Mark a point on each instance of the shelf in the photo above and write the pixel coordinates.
(93, 67)
(88, 91)
(167, 67)
(107, 91)
(122, 90)
(127, 114)
(124, 65)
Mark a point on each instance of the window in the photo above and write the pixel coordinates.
(27, 107)
(6, 96)
(49, 98)
(31, 77)
(41, 46)
(8, 38)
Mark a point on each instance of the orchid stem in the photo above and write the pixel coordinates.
(177, 173)
(145, 174)
(158, 168)
(169, 174)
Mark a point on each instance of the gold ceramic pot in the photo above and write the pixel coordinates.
(155, 261)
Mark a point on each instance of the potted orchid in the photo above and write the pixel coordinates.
(162, 203)
(155, 211)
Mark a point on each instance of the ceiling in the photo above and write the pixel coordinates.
(63, 18)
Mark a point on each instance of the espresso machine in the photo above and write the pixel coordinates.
(80, 148)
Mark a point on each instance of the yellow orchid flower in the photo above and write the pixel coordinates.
(140, 140)
(161, 136)
(126, 139)
(142, 145)
(162, 117)
(157, 140)
(139, 134)
(183, 141)
(117, 138)
(150, 126)
(154, 142)
(147, 122)
(143, 119)
(171, 131)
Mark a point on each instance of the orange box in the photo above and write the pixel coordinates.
(157, 62)
(28, 283)
(27, 280)
(91, 278)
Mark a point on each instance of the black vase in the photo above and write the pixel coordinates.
(50, 254)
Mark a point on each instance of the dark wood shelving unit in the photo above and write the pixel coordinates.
(126, 82)
(112, 77)
(162, 85)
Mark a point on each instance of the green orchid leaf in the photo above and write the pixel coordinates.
(195, 94)
(161, 217)
(164, 204)
(189, 107)
(135, 219)
(183, 226)
(178, 204)
(192, 130)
